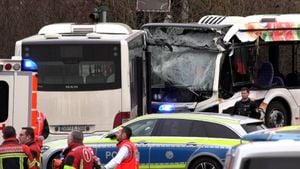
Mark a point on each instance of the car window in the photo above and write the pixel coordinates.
(143, 127)
(219, 131)
(250, 127)
(174, 127)
(198, 129)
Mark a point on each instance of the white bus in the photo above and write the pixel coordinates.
(202, 67)
(91, 76)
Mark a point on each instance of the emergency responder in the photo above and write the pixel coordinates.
(40, 126)
(77, 155)
(127, 156)
(246, 107)
(26, 137)
(14, 155)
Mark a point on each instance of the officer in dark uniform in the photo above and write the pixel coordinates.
(246, 107)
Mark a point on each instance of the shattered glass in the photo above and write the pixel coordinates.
(182, 57)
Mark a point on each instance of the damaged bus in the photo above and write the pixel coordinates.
(202, 67)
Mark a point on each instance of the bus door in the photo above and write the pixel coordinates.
(137, 75)
(138, 61)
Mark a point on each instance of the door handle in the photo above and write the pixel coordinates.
(191, 144)
(142, 142)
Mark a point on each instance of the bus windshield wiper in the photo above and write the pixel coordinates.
(189, 87)
(162, 42)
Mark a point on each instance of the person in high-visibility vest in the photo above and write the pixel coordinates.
(40, 126)
(127, 156)
(14, 155)
(26, 137)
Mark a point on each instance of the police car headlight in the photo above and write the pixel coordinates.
(44, 148)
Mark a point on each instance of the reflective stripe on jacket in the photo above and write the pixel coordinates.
(15, 156)
(80, 157)
(36, 152)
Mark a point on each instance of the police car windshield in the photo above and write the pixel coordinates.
(251, 127)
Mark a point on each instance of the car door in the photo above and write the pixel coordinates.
(141, 130)
(222, 136)
(172, 145)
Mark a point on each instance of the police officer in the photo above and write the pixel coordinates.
(127, 152)
(14, 155)
(77, 155)
(26, 137)
(245, 107)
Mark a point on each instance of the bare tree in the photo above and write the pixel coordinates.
(22, 18)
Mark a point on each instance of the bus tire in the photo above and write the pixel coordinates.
(205, 163)
(276, 115)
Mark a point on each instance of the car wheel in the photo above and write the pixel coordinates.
(276, 115)
(205, 163)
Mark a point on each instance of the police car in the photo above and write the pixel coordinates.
(177, 141)
(275, 134)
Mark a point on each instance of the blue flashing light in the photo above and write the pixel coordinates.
(29, 65)
(166, 108)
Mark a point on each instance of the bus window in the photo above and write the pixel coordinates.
(241, 66)
(76, 67)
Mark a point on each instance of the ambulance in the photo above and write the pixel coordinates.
(18, 83)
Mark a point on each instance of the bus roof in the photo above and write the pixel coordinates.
(102, 28)
(82, 32)
(269, 28)
(220, 20)
(276, 27)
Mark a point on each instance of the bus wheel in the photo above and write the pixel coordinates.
(205, 163)
(276, 115)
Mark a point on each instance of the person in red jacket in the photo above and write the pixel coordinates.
(77, 155)
(40, 126)
(26, 137)
(127, 156)
(14, 155)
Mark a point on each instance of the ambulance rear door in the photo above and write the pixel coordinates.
(21, 115)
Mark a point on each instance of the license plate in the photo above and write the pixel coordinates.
(70, 128)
